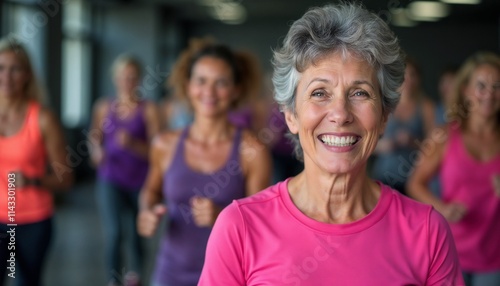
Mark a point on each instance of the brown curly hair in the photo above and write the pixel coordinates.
(245, 68)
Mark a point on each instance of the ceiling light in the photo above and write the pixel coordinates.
(468, 2)
(427, 11)
(229, 12)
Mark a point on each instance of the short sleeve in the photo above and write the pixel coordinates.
(224, 255)
(444, 269)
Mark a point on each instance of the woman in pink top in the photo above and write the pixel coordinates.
(336, 78)
(466, 155)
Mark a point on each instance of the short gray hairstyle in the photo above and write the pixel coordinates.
(347, 28)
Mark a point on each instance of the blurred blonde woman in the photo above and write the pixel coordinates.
(32, 165)
(125, 123)
(466, 155)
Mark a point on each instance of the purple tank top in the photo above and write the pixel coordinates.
(121, 166)
(182, 250)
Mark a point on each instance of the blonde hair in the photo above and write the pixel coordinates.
(124, 60)
(459, 107)
(32, 91)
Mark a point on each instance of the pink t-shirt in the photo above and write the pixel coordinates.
(265, 240)
(470, 182)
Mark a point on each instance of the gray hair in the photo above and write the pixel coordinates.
(346, 28)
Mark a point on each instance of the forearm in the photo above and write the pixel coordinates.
(52, 181)
(96, 154)
(422, 193)
(148, 199)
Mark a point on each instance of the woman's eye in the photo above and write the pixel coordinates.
(318, 93)
(361, 93)
(222, 83)
(199, 81)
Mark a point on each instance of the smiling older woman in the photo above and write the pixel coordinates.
(336, 77)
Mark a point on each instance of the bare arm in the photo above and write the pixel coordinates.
(426, 169)
(151, 191)
(151, 207)
(95, 135)
(257, 164)
(429, 113)
(60, 174)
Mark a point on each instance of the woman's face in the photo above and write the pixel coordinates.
(127, 79)
(483, 91)
(211, 88)
(338, 113)
(13, 75)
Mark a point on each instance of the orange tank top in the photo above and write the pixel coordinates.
(24, 151)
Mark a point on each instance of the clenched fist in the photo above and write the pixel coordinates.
(204, 211)
(453, 212)
(148, 220)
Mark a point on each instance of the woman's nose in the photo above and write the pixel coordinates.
(209, 89)
(339, 111)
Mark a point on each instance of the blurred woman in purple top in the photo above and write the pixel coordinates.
(197, 171)
(124, 126)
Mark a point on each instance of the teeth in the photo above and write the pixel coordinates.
(338, 141)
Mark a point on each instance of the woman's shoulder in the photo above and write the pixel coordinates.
(250, 138)
(414, 212)
(259, 202)
(150, 108)
(249, 208)
(437, 139)
(166, 140)
(102, 105)
(266, 195)
(250, 144)
(46, 117)
(168, 136)
(403, 205)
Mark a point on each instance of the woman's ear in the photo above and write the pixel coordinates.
(291, 121)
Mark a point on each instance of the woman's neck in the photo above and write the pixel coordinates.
(127, 97)
(210, 130)
(334, 198)
(11, 104)
(481, 125)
